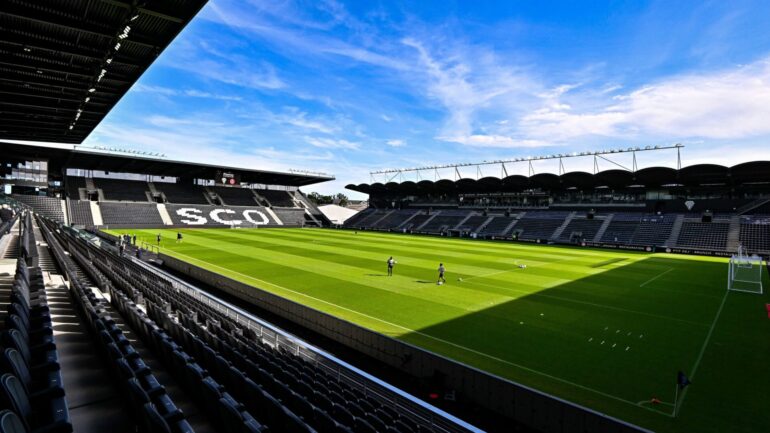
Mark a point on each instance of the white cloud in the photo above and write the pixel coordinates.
(331, 143)
(299, 119)
(471, 83)
(728, 104)
(165, 91)
(480, 140)
(386, 118)
(396, 143)
(199, 94)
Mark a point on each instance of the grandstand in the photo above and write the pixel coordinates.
(578, 208)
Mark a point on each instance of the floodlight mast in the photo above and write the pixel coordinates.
(389, 175)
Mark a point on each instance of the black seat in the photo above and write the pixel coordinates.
(342, 415)
(235, 420)
(363, 426)
(153, 421)
(42, 418)
(34, 337)
(46, 380)
(11, 423)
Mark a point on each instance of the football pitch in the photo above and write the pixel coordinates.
(605, 329)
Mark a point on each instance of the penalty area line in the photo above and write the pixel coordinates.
(441, 340)
(656, 277)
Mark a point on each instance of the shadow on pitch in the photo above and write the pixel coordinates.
(584, 326)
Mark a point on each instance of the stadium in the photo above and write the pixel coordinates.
(142, 293)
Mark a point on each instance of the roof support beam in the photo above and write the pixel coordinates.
(81, 28)
(9, 38)
(102, 90)
(144, 11)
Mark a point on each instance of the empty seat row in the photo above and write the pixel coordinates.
(235, 196)
(130, 214)
(80, 213)
(441, 223)
(498, 226)
(50, 207)
(755, 234)
(30, 380)
(150, 405)
(122, 190)
(581, 228)
(280, 390)
(394, 219)
(218, 346)
(277, 198)
(178, 193)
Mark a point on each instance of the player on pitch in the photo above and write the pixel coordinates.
(391, 262)
(441, 270)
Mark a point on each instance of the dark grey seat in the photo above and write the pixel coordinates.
(11, 423)
(45, 380)
(43, 418)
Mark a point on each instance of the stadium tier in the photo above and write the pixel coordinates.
(122, 190)
(182, 194)
(130, 214)
(276, 197)
(235, 196)
(50, 207)
(80, 213)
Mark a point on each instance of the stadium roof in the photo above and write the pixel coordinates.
(61, 158)
(694, 175)
(65, 63)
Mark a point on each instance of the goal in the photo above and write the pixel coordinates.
(745, 273)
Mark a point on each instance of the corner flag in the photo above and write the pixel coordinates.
(682, 380)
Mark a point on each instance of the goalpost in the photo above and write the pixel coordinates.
(745, 272)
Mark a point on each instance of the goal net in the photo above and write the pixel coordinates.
(745, 272)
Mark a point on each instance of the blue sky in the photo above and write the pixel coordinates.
(347, 88)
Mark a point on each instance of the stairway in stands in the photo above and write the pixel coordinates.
(564, 225)
(734, 233)
(675, 230)
(603, 228)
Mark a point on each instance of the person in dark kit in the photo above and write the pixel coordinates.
(178, 237)
(441, 270)
(133, 238)
(158, 239)
(6, 214)
(391, 262)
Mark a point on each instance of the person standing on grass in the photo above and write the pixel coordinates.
(158, 237)
(441, 270)
(178, 237)
(391, 262)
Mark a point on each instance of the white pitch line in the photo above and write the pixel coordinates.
(702, 350)
(486, 355)
(656, 277)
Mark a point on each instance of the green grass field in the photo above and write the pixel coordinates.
(608, 330)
